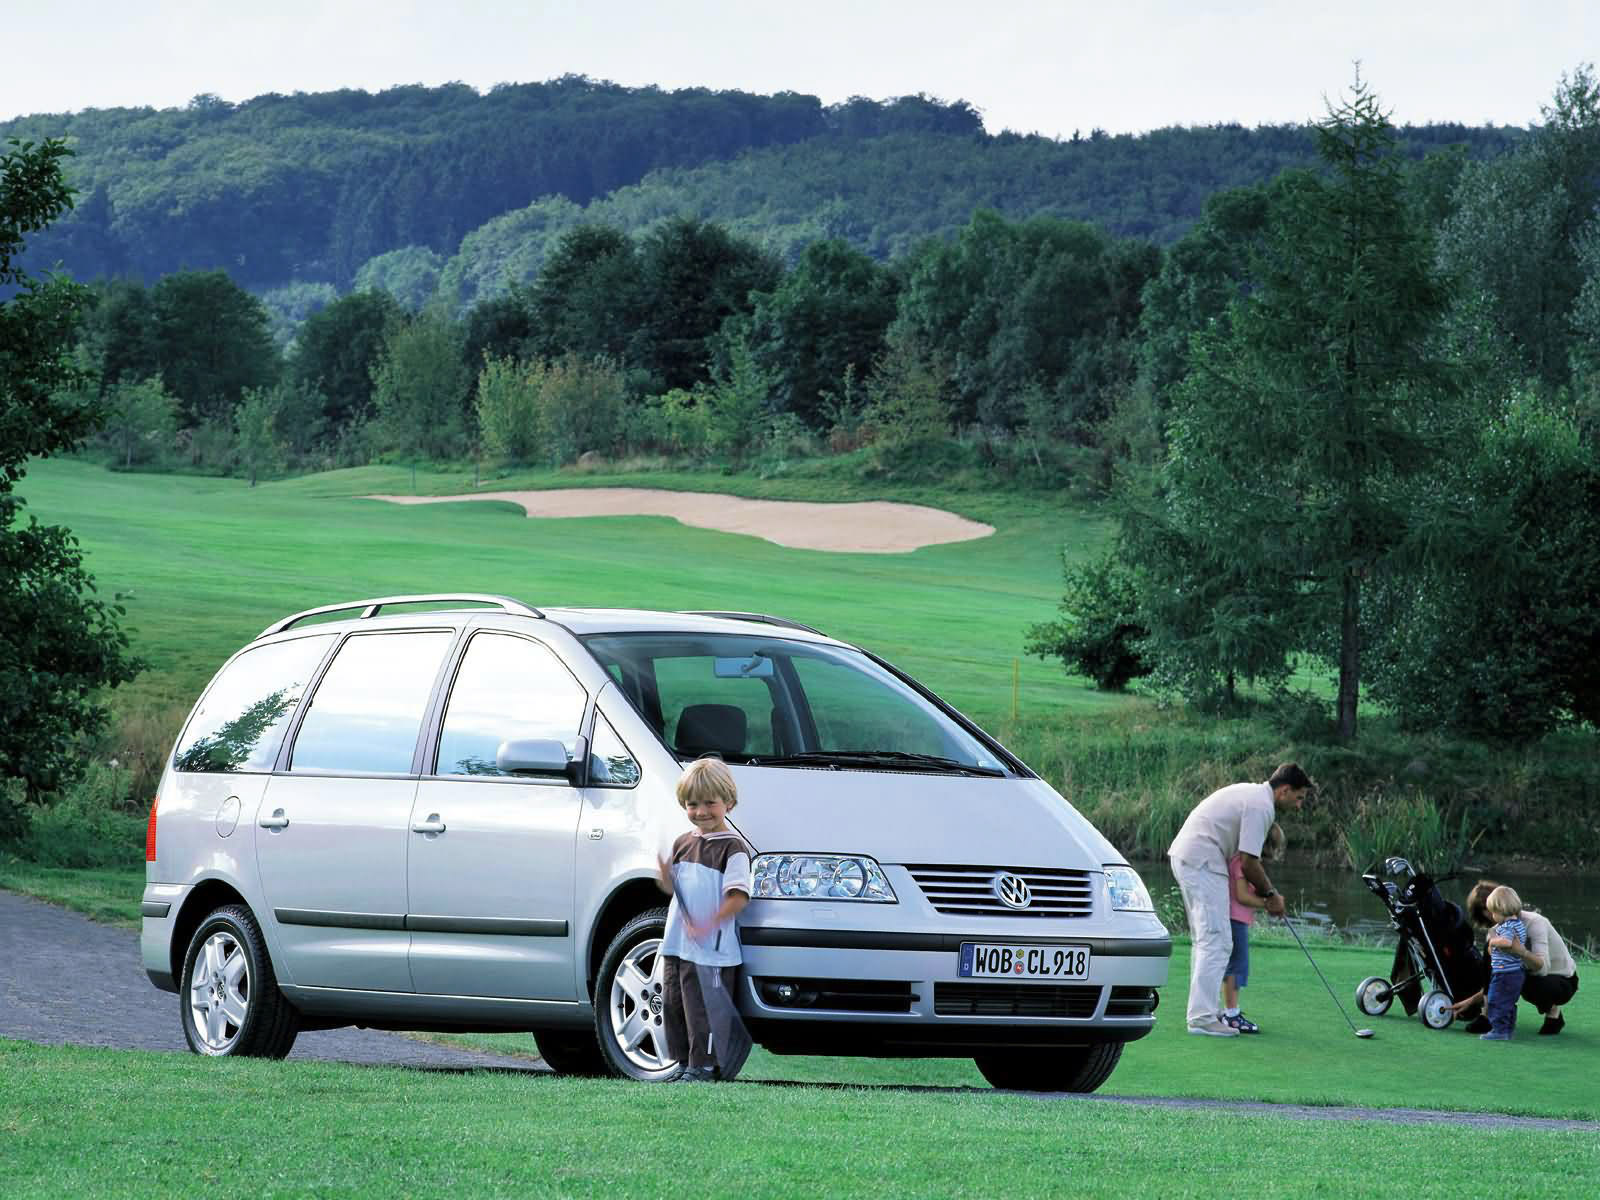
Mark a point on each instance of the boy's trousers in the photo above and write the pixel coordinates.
(684, 1011)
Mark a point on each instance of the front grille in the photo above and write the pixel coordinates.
(1131, 1002)
(970, 891)
(1014, 1000)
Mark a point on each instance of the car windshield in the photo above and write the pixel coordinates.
(772, 702)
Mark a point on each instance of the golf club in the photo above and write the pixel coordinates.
(1360, 1033)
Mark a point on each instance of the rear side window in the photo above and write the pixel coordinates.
(239, 724)
(507, 687)
(367, 711)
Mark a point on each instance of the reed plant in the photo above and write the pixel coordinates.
(1408, 824)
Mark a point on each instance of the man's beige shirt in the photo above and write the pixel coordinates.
(1232, 820)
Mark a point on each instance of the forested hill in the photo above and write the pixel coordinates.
(313, 187)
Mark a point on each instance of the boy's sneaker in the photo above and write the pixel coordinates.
(1240, 1022)
(1552, 1026)
(697, 1075)
(1494, 1036)
(1214, 1028)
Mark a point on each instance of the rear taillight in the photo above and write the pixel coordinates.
(150, 832)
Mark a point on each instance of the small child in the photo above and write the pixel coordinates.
(1242, 905)
(709, 875)
(1506, 972)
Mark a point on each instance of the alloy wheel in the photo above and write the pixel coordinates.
(219, 992)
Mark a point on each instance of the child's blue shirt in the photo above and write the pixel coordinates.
(1504, 960)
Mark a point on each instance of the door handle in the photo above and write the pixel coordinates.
(431, 825)
(276, 821)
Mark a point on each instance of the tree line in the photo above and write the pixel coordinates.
(349, 188)
(1349, 419)
(1371, 440)
(688, 340)
(309, 187)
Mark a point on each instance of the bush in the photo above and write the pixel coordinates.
(508, 410)
(581, 405)
(13, 809)
(87, 825)
(672, 424)
(1099, 629)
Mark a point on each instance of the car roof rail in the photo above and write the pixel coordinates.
(372, 607)
(763, 618)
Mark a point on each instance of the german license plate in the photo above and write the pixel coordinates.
(991, 960)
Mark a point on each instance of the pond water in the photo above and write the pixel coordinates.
(1324, 896)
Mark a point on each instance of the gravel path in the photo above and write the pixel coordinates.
(66, 980)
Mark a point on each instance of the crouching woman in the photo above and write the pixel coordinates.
(1551, 976)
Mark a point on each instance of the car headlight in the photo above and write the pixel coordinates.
(820, 877)
(1127, 890)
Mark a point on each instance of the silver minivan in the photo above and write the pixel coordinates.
(443, 813)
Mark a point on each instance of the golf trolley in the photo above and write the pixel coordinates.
(1436, 945)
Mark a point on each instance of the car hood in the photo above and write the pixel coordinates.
(905, 817)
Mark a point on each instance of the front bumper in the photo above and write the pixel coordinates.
(849, 991)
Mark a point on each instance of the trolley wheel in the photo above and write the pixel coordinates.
(1435, 1010)
(1374, 995)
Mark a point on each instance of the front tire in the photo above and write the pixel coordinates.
(229, 1003)
(628, 1018)
(1056, 1069)
(571, 1052)
(1374, 995)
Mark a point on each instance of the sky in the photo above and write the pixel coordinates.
(1031, 66)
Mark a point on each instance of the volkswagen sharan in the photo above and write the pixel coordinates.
(444, 813)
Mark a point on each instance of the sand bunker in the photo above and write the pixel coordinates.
(864, 527)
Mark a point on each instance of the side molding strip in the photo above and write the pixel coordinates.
(338, 920)
(504, 926)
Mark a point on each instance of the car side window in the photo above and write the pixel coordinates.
(367, 711)
(239, 724)
(610, 762)
(506, 687)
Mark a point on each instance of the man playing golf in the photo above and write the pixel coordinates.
(1232, 820)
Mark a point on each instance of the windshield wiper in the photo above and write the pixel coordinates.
(873, 758)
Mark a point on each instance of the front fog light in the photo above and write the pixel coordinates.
(1127, 890)
(819, 877)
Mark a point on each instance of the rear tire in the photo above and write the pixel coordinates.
(628, 1019)
(1055, 1069)
(1374, 995)
(1435, 1011)
(571, 1052)
(228, 999)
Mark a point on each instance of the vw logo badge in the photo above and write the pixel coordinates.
(1012, 890)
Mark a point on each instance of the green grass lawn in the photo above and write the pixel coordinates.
(87, 1122)
(1306, 1056)
(205, 564)
(108, 894)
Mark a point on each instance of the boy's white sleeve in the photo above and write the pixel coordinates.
(736, 875)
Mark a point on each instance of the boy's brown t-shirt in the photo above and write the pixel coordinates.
(705, 867)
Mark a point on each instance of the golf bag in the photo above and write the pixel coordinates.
(1435, 943)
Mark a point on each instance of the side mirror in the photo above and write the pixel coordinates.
(543, 756)
(531, 756)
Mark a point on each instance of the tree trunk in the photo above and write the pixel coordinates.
(1349, 656)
